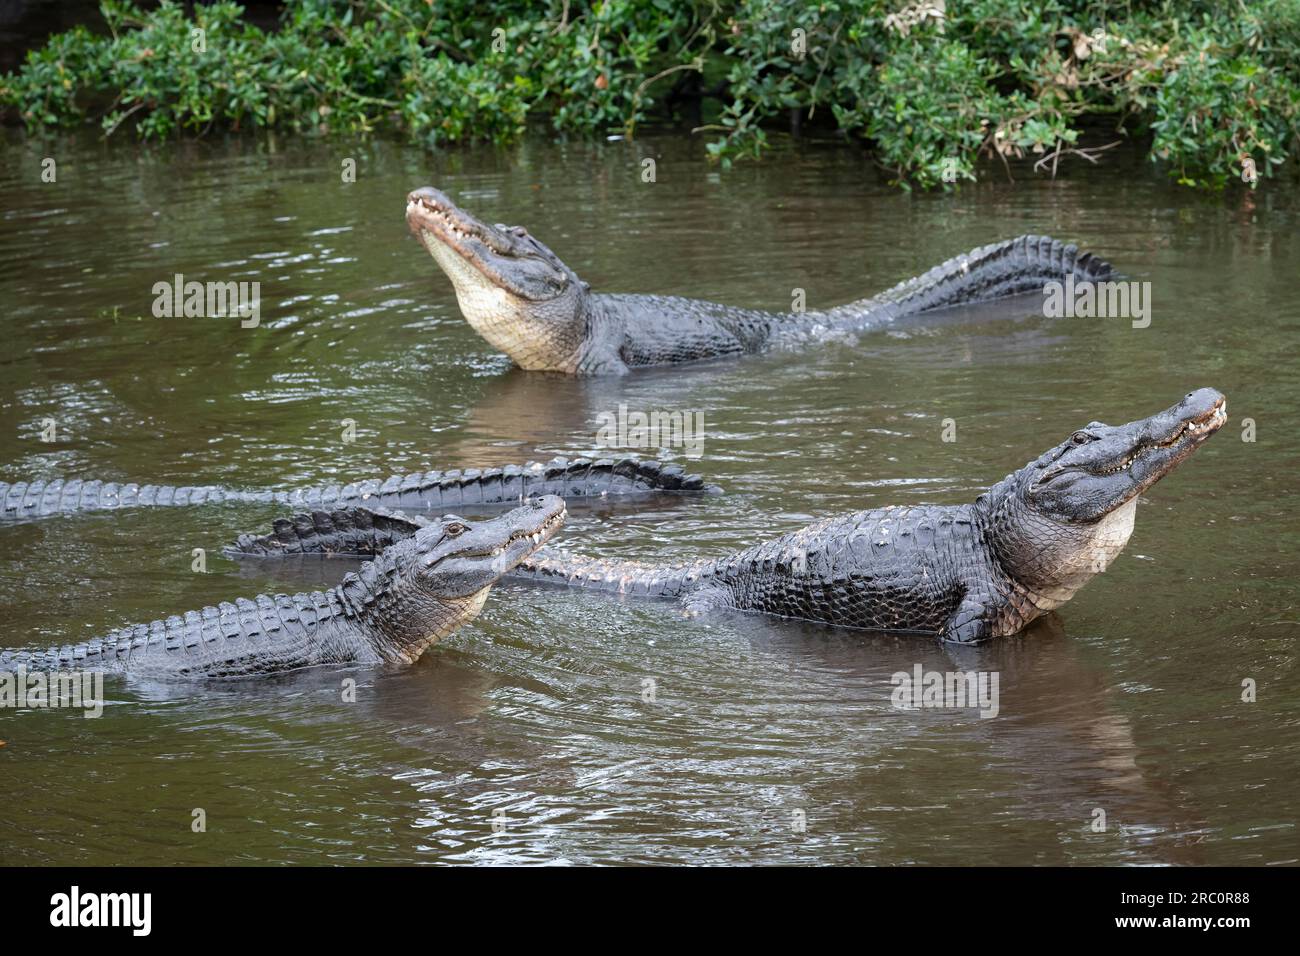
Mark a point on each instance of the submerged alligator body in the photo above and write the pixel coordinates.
(966, 573)
(526, 302)
(412, 595)
(431, 490)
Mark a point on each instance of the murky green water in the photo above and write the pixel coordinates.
(1127, 701)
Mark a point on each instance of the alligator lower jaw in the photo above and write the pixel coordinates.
(1188, 436)
(495, 313)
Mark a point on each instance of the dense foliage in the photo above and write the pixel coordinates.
(1213, 86)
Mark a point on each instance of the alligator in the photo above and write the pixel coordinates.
(526, 302)
(415, 593)
(431, 490)
(966, 573)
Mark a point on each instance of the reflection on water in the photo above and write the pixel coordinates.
(766, 741)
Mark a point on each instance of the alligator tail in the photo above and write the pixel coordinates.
(621, 577)
(280, 632)
(68, 657)
(38, 499)
(1013, 267)
(363, 532)
(569, 479)
(10, 661)
(576, 478)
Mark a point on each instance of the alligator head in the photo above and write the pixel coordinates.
(1067, 515)
(512, 289)
(419, 591)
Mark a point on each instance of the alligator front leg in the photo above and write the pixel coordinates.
(601, 360)
(704, 599)
(975, 618)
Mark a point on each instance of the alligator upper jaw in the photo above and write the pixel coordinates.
(428, 209)
(501, 273)
(1154, 459)
(494, 549)
(432, 217)
(524, 541)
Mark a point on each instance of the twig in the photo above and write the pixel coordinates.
(812, 107)
(697, 65)
(111, 106)
(564, 19)
(1089, 153)
(990, 145)
(112, 129)
(362, 98)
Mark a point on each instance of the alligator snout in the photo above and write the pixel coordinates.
(429, 196)
(1206, 398)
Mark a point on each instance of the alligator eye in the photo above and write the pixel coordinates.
(1081, 438)
(455, 529)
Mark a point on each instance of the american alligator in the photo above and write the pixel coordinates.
(518, 295)
(965, 572)
(411, 596)
(430, 490)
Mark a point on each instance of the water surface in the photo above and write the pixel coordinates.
(768, 741)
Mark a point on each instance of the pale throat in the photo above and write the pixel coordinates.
(492, 312)
(450, 614)
(1060, 571)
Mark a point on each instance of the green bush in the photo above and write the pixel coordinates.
(1214, 87)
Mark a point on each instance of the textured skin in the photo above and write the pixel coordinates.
(889, 569)
(626, 331)
(965, 572)
(268, 634)
(432, 490)
(390, 611)
(365, 532)
(525, 301)
(886, 569)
